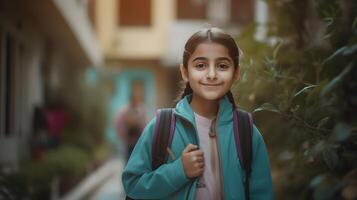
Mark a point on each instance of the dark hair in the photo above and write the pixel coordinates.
(215, 35)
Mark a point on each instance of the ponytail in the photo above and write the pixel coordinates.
(185, 90)
(231, 99)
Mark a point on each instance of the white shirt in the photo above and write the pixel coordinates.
(208, 185)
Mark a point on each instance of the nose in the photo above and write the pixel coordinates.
(211, 74)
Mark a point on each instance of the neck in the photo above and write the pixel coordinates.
(204, 107)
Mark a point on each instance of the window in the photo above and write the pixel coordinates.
(134, 12)
(7, 89)
(2, 112)
(91, 11)
(242, 11)
(9, 76)
(192, 9)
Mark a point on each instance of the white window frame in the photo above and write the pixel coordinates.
(2, 83)
(8, 123)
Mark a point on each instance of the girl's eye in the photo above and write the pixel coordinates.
(222, 66)
(200, 66)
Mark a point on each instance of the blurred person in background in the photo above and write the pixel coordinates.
(131, 119)
(49, 122)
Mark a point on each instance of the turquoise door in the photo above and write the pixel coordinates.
(122, 91)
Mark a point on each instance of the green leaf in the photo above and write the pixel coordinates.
(335, 54)
(305, 89)
(295, 108)
(330, 157)
(329, 21)
(245, 76)
(327, 190)
(345, 51)
(316, 181)
(322, 122)
(276, 50)
(341, 132)
(336, 81)
(350, 50)
(318, 148)
(327, 36)
(267, 107)
(354, 25)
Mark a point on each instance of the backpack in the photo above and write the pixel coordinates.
(164, 131)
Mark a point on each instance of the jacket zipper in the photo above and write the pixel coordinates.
(194, 127)
(193, 184)
(219, 156)
(218, 149)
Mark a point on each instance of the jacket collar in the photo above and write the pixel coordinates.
(183, 109)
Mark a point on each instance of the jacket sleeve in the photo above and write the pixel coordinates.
(141, 182)
(261, 186)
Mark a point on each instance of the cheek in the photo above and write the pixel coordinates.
(195, 75)
(227, 77)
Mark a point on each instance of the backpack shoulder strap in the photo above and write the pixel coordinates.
(162, 138)
(163, 134)
(243, 127)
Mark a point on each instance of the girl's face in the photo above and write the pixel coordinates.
(210, 71)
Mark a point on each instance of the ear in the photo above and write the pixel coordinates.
(237, 74)
(184, 73)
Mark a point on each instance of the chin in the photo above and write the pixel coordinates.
(212, 97)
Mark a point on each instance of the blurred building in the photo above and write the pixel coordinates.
(42, 44)
(144, 39)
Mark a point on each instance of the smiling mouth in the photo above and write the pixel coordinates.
(211, 84)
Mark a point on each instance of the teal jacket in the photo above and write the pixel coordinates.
(169, 180)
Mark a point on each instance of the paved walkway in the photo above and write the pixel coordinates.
(110, 190)
(103, 184)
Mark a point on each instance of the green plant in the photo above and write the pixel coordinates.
(303, 95)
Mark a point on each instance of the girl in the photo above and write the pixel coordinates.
(197, 169)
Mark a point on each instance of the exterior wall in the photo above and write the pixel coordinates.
(134, 42)
(162, 93)
(261, 18)
(77, 18)
(156, 49)
(161, 42)
(138, 47)
(39, 42)
(25, 88)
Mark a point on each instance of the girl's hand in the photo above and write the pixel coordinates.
(193, 161)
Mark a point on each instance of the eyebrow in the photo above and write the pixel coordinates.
(224, 58)
(199, 58)
(219, 59)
